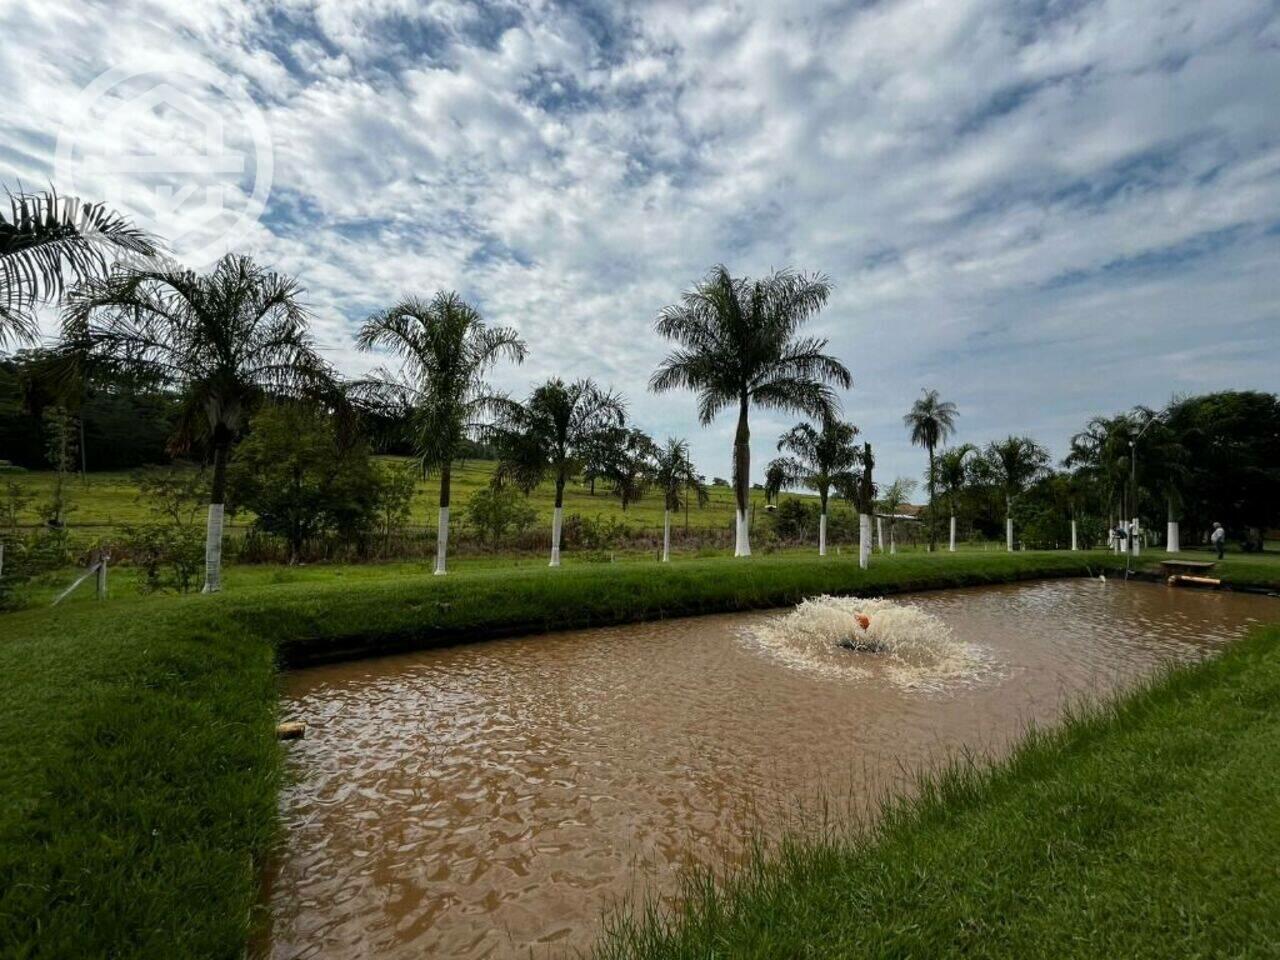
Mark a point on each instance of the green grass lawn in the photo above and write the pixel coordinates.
(110, 499)
(137, 761)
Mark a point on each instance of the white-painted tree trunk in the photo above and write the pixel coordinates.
(742, 541)
(1075, 540)
(442, 542)
(666, 536)
(213, 550)
(893, 543)
(880, 532)
(1008, 534)
(1174, 543)
(557, 519)
(822, 535)
(1135, 535)
(864, 540)
(952, 547)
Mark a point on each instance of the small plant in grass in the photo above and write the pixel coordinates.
(168, 551)
(15, 497)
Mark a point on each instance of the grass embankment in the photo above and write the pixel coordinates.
(1147, 828)
(137, 760)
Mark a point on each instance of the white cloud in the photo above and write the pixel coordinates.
(1044, 216)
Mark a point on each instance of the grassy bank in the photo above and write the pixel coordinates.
(1145, 829)
(137, 761)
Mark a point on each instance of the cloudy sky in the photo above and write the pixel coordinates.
(1042, 208)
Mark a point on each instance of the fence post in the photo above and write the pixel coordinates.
(102, 578)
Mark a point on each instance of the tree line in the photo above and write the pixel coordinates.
(219, 345)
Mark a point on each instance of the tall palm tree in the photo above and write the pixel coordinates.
(1014, 463)
(47, 243)
(951, 470)
(445, 351)
(224, 339)
(675, 475)
(931, 421)
(549, 434)
(738, 345)
(820, 459)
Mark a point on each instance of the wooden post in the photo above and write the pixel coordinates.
(102, 578)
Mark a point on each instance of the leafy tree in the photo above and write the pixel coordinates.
(931, 421)
(493, 512)
(48, 242)
(819, 460)
(223, 340)
(676, 477)
(738, 346)
(1231, 444)
(950, 471)
(549, 435)
(1014, 463)
(446, 351)
(394, 488)
(298, 475)
(1099, 455)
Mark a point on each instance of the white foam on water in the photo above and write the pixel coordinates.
(900, 643)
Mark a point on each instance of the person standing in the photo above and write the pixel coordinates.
(1218, 538)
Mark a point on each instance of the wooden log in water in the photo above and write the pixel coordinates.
(291, 730)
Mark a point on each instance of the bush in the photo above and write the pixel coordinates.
(494, 512)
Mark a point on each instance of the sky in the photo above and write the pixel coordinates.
(1044, 209)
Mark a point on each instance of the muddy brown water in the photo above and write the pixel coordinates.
(491, 800)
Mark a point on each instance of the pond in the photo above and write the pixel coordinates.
(488, 799)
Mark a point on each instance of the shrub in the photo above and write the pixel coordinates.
(494, 512)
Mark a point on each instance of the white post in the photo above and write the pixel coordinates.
(442, 541)
(213, 550)
(742, 541)
(556, 520)
(1175, 543)
(893, 543)
(864, 540)
(1008, 534)
(822, 535)
(666, 536)
(102, 578)
(880, 532)
(1136, 536)
(1075, 543)
(952, 548)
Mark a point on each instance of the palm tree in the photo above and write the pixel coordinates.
(630, 470)
(224, 339)
(819, 460)
(895, 496)
(47, 243)
(1100, 453)
(549, 434)
(775, 478)
(951, 470)
(1014, 463)
(738, 346)
(931, 421)
(675, 476)
(445, 351)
